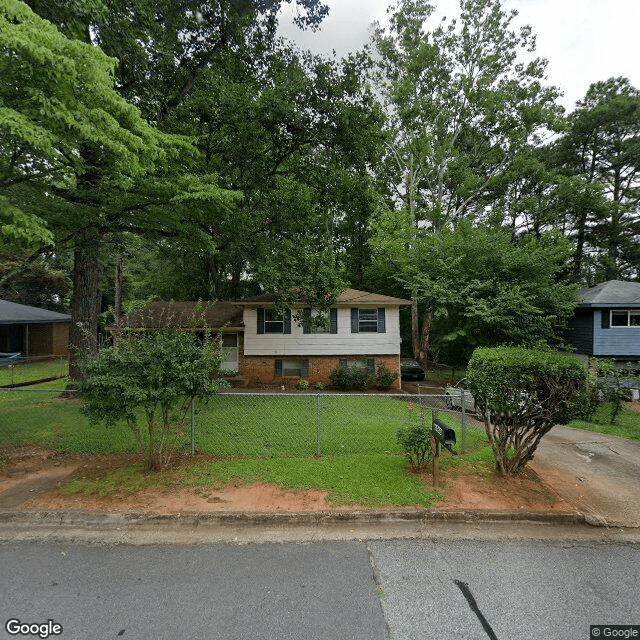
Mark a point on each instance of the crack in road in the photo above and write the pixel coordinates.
(466, 592)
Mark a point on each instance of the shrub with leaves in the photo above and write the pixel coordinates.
(525, 392)
(384, 377)
(613, 384)
(148, 381)
(416, 443)
(341, 377)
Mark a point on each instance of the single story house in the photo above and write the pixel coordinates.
(269, 349)
(33, 331)
(606, 323)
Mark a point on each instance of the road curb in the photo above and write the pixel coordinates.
(108, 520)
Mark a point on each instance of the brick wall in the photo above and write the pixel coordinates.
(259, 370)
(39, 339)
(60, 339)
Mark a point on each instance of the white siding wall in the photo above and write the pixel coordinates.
(344, 342)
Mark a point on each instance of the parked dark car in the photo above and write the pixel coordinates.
(411, 370)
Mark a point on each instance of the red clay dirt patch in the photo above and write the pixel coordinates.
(30, 477)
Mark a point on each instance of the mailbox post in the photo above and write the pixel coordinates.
(441, 434)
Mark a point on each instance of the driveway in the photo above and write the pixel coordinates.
(599, 474)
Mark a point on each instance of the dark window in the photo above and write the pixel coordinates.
(271, 322)
(368, 320)
(292, 367)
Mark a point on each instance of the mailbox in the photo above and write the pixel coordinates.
(443, 433)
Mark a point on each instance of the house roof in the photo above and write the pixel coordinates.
(613, 293)
(185, 315)
(14, 313)
(346, 298)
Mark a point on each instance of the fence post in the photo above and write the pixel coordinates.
(318, 424)
(463, 422)
(193, 426)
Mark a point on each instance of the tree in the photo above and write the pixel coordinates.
(464, 105)
(150, 376)
(57, 96)
(94, 167)
(602, 146)
(524, 393)
(482, 287)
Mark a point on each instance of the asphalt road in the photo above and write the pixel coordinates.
(402, 589)
(599, 474)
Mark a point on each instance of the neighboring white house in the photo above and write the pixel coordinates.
(265, 349)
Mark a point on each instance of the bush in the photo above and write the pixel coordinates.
(609, 384)
(150, 376)
(358, 377)
(384, 377)
(303, 384)
(341, 377)
(416, 443)
(525, 392)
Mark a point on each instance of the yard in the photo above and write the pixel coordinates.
(244, 439)
(250, 446)
(32, 371)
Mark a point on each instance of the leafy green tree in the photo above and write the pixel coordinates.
(466, 99)
(602, 147)
(479, 286)
(150, 378)
(524, 393)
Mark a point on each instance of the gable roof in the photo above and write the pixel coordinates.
(185, 315)
(611, 294)
(346, 298)
(14, 313)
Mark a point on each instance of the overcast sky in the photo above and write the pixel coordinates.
(584, 40)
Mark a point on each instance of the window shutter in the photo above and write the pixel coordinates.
(381, 321)
(278, 366)
(605, 318)
(306, 321)
(342, 362)
(304, 372)
(287, 321)
(354, 321)
(334, 320)
(260, 320)
(371, 365)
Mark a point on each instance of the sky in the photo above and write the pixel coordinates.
(585, 41)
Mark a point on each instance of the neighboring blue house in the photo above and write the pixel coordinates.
(606, 323)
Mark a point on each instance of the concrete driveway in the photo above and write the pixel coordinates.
(599, 474)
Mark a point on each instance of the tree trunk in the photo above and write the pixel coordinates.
(420, 337)
(85, 305)
(118, 310)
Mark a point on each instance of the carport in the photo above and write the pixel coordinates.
(33, 331)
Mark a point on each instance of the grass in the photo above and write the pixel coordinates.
(368, 480)
(31, 371)
(262, 439)
(627, 423)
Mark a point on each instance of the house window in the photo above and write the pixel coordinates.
(292, 367)
(625, 318)
(270, 321)
(320, 321)
(364, 364)
(368, 320)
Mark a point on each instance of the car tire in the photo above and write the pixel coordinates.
(449, 402)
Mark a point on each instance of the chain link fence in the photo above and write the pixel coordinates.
(32, 369)
(257, 425)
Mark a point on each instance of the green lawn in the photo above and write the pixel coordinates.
(261, 438)
(30, 371)
(627, 423)
(228, 425)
